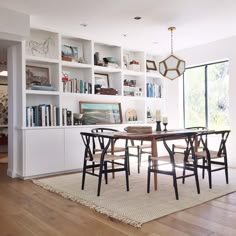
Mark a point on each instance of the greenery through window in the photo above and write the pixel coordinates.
(206, 96)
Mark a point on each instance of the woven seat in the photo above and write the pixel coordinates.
(107, 157)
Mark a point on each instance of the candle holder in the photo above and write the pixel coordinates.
(158, 127)
(165, 124)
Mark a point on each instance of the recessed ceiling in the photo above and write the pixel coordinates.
(197, 22)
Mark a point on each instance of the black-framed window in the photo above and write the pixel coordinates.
(206, 95)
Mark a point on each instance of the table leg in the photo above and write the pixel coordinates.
(154, 154)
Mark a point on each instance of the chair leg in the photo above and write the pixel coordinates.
(128, 164)
(209, 175)
(105, 170)
(100, 179)
(203, 169)
(196, 176)
(139, 158)
(175, 186)
(127, 174)
(183, 180)
(84, 173)
(149, 173)
(93, 167)
(226, 170)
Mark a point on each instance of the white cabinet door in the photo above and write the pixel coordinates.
(74, 148)
(44, 151)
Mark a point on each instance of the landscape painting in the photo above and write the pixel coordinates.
(100, 113)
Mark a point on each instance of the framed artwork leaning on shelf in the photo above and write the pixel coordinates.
(72, 53)
(100, 112)
(102, 80)
(150, 65)
(36, 75)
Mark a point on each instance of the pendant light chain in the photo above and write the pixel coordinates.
(171, 41)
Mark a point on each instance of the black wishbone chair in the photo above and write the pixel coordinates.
(100, 161)
(178, 148)
(189, 155)
(213, 160)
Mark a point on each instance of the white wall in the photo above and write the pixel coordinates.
(212, 52)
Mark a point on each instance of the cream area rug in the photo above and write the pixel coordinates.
(137, 207)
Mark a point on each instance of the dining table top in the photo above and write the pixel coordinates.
(153, 134)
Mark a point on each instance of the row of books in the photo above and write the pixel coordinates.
(42, 115)
(77, 86)
(69, 118)
(153, 90)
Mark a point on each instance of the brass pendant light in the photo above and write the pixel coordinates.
(172, 67)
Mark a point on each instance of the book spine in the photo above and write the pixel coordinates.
(57, 116)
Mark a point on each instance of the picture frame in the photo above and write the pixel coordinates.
(36, 75)
(3, 104)
(100, 112)
(102, 80)
(151, 65)
(68, 51)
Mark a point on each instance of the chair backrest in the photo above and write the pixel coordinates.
(200, 138)
(90, 139)
(221, 135)
(188, 137)
(101, 140)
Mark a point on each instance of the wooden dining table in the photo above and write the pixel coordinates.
(152, 137)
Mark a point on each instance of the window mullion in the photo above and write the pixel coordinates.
(206, 97)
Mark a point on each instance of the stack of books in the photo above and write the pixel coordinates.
(139, 129)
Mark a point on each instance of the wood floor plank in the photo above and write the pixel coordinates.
(204, 223)
(27, 209)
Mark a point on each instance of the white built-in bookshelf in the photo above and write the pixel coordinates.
(51, 106)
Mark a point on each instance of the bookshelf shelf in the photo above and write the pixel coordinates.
(40, 92)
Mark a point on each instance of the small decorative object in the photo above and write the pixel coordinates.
(172, 67)
(158, 115)
(165, 122)
(37, 75)
(82, 60)
(108, 91)
(158, 127)
(126, 60)
(149, 113)
(138, 92)
(102, 80)
(96, 58)
(109, 59)
(150, 65)
(131, 115)
(65, 79)
(134, 65)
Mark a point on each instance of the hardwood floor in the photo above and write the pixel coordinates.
(26, 209)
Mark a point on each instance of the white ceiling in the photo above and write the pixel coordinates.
(197, 22)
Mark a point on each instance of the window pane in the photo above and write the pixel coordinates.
(194, 96)
(218, 95)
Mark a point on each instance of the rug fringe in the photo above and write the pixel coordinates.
(92, 206)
